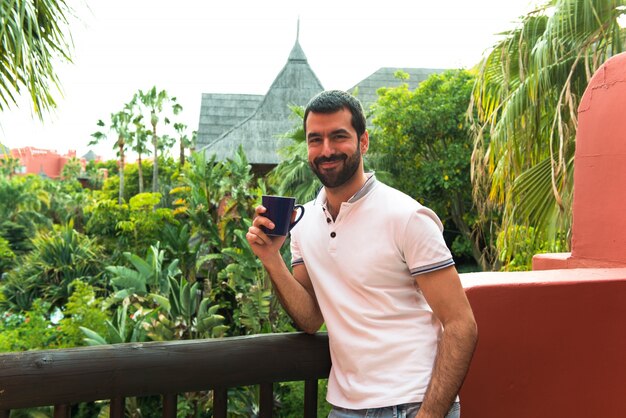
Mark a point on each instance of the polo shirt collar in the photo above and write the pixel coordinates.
(364, 190)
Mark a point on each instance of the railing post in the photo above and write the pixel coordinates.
(220, 402)
(310, 398)
(169, 405)
(267, 400)
(62, 411)
(117, 406)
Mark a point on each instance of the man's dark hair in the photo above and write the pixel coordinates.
(331, 101)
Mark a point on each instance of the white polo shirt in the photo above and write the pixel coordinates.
(383, 335)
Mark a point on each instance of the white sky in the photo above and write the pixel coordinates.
(190, 47)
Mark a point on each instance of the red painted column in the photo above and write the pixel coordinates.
(599, 204)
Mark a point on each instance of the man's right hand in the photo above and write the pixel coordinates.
(262, 245)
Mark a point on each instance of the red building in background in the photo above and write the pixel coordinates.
(42, 161)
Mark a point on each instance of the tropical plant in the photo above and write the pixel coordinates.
(185, 314)
(184, 141)
(72, 169)
(83, 309)
(58, 258)
(155, 103)
(423, 141)
(34, 38)
(525, 101)
(140, 145)
(9, 165)
(24, 201)
(120, 124)
(32, 329)
(7, 256)
(148, 275)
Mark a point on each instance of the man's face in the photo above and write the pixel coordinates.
(333, 147)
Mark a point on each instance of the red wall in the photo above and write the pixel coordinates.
(551, 344)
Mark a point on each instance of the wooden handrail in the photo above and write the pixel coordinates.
(70, 376)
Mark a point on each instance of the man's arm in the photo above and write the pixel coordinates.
(445, 295)
(295, 291)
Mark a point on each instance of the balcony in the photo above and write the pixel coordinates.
(551, 344)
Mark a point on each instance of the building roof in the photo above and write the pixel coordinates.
(90, 156)
(220, 112)
(366, 89)
(259, 133)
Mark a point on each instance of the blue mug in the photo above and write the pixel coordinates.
(279, 211)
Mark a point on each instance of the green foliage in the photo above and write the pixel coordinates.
(528, 242)
(185, 315)
(7, 256)
(17, 236)
(34, 36)
(30, 330)
(25, 201)
(148, 275)
(72, 169)
(123, 327)
(423, 141)
(524, 110)
(136, 225)
(58, 258)
(83, 309)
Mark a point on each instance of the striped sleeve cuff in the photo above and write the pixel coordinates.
(432, 267)
(297, 262)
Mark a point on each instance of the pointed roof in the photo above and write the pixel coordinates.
(90, 156)
(259, 134)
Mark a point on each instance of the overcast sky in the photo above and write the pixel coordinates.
(190, 47)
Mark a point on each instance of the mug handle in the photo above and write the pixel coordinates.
(299, 217)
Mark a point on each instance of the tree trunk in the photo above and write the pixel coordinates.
(155, 165)
(140, 172)
(121, 196)
(182, 154)
(457, 211)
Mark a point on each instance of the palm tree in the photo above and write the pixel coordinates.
(155, 102)
(139, 145)
(184, 141)
(71, 169)
(33, 37)
(120, 124)
(526, 98)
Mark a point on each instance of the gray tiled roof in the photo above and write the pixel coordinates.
(366, 89)
(259, 133)
(90, 156)
(220, 112)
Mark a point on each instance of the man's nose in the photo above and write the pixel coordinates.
(327, 148)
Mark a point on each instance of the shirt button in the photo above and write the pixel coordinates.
(333, 234)
(328, 220)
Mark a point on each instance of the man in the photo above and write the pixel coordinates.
(371, 263)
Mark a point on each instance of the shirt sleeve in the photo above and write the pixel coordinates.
(296, 255)
(423, 245)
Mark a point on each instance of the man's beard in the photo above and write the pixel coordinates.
(337, 178)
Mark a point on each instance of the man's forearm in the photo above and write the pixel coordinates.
(454, 354)
(299, 303)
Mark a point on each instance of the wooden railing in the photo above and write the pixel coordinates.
(66, 377)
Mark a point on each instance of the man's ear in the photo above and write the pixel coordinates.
(364, 143)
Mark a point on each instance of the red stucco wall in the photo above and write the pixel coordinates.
(551, 344)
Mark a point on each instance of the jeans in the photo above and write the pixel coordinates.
(408, 410)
